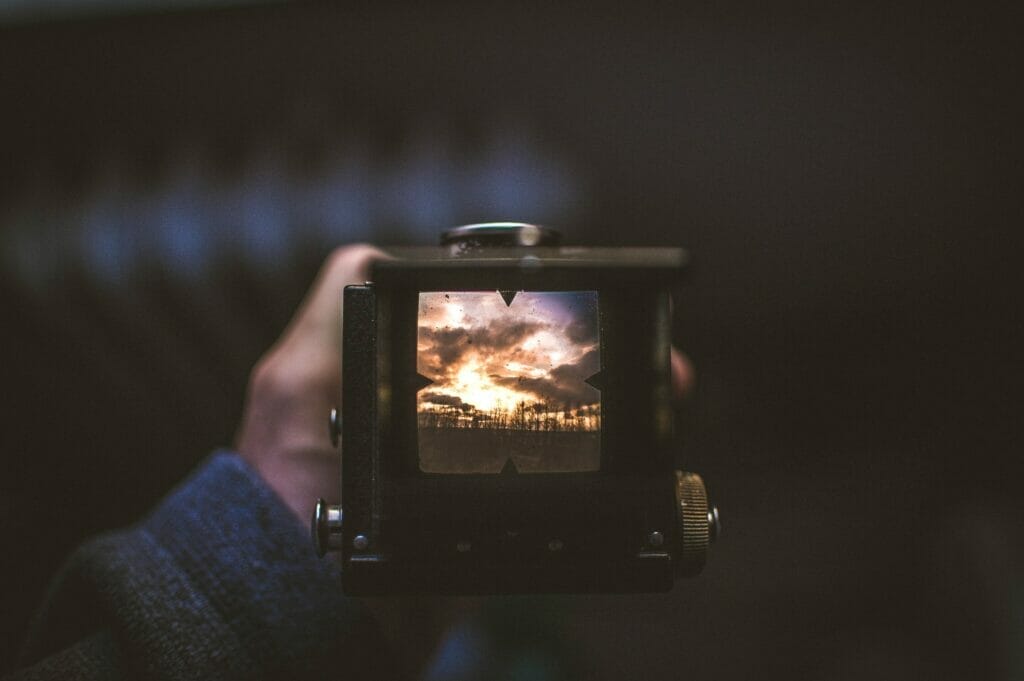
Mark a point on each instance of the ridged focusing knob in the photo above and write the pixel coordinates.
(695, 523)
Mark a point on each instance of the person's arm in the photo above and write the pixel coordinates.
(221, 580)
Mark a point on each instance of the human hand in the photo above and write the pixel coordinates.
(284, 436)
(292, 388)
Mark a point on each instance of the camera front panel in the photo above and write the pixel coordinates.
(521, 429)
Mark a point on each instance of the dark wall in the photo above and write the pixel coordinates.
(847, 179)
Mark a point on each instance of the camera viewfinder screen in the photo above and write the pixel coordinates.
(508, 382)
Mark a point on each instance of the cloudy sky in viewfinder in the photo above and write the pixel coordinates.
(480, 352)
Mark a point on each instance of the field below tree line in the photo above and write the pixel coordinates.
(487, 450)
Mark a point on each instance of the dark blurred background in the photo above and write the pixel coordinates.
(848, 181)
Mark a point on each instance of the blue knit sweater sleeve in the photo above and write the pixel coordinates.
(219, 582)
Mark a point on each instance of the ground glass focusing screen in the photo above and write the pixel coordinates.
(509, 386)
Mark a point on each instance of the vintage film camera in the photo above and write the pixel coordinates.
(506, 422)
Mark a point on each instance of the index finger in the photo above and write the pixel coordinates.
(319, 315)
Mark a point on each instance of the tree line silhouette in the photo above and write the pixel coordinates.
(535, 416)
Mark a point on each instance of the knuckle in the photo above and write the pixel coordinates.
(352, 263)
(264, 376)
(272, 378)
(281, 377)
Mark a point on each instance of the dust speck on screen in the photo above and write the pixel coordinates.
(509, 382)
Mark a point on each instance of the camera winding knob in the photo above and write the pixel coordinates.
(699, 524)
(471, 238)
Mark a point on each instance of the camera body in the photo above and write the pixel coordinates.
(507, 422)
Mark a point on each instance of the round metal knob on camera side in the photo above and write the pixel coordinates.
(326, 527)
(696, 520)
